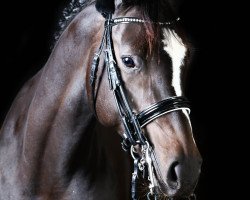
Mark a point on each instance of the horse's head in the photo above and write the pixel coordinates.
(152, 58)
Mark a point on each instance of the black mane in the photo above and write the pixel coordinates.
(68, 14)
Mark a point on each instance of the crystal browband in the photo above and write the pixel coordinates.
(137, 20)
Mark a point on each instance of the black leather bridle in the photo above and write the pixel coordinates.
(132, 122)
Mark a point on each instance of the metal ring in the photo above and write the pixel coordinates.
(147, 144)
(153, 195)
(148, 196)
(132, 151)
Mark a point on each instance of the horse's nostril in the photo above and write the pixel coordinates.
(172, 175)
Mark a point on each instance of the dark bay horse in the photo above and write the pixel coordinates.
(118, 67)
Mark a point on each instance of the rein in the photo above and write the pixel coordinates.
(133, 122)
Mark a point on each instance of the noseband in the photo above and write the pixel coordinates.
(133, 122)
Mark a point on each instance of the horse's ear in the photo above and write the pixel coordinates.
(175, 5)
(108, 6)
(105, 6)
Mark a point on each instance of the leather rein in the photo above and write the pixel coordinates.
(132, 122)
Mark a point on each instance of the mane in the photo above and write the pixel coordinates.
(68, 14)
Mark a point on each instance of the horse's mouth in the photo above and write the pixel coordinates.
(162, 195)
(164, 192)
(175, 190)
(170, 192)
(161, 192)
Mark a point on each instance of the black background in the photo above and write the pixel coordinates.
(214, 86)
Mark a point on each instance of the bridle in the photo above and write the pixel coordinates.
(132, 122)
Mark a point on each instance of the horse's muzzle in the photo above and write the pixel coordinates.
(181, 177)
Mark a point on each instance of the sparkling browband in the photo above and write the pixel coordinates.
(137, 20)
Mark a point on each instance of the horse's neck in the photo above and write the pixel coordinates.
(43, 129)
(48, 132)
(51, 107)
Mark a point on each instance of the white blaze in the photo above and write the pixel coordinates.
(175, 48)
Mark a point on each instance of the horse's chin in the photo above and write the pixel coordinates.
(161, 190)
(167, 192)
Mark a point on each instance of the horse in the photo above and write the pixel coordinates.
(115, 75)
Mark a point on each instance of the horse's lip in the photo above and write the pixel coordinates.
(161, 185)
(170, 191)
(163, 188)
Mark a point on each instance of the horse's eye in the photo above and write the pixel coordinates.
(128, 61)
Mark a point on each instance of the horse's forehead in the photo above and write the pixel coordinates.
(130, 36)
(129, 31)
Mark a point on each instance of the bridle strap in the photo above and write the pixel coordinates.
(132, 127)
(161, 108)
(155, 111)
(94, 69)
(134, 179)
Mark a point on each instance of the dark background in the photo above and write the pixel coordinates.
(214, 86)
